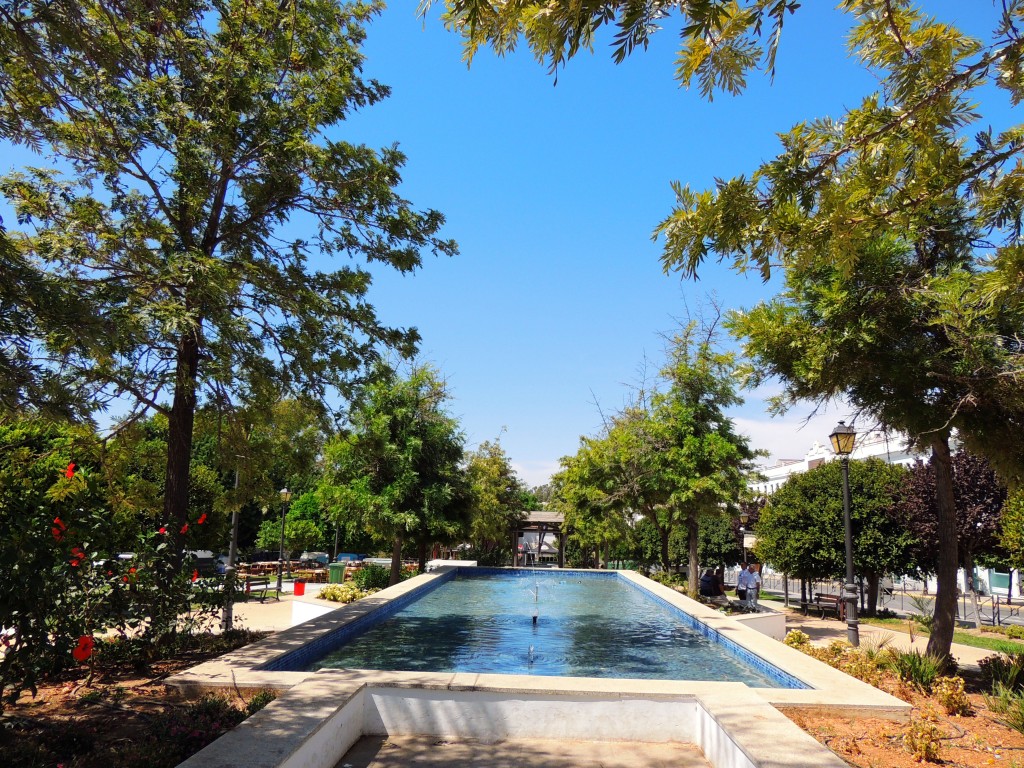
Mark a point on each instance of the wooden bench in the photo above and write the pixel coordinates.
(829, 603)
(257, 586)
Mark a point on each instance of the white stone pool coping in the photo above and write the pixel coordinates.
(735, 725)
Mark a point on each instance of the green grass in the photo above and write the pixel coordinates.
(986, 642)
(999, 645)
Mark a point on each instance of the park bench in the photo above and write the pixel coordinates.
(258, 586)
(829, 603)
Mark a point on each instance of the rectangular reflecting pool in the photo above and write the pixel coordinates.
(560, 623)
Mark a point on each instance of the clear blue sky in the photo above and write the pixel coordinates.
(552, 191)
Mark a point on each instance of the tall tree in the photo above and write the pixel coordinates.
(902, 262)
(709, 460)
(204, 181)
(398, 471)
(673, 457)
(497, 499)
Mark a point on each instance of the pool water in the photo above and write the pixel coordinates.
(585, 626)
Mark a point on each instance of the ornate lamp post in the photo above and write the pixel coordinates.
(843, 438)
(286, 497)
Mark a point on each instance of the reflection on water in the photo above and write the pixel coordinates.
(586, 627)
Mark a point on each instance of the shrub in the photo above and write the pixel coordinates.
(343, 593)
(1009, 704)
(914, 667)
(922, 616)
(797, 639)
(1006, 670)
(371, 577)
(259, 700)
(1009, 630)
(184, 732)
(949, 691)
(922, 740)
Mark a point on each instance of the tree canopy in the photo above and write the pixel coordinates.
(800, 529)
(398, 470)
(673, 457)
(198, 195)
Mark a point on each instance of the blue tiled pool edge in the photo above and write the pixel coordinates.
(304, 657)
(315, 649)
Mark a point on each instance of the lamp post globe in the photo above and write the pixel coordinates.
(843, 438)
(286, 497)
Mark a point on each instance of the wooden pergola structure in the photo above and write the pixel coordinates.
(543, 522)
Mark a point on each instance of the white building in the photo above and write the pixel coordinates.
(875, 444)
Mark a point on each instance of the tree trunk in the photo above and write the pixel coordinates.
(971, 589)
(396, 561)
(873, 581)
(180, 425)
(422, 547)
(941, 639)
(693, 542)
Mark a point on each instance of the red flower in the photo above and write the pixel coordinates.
(70, 471)
(83, 650)
(77, 556)
(195, 575)
(163, 530)
(202, 519)
(58, 529)
(184, 528)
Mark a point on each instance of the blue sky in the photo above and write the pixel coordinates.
(546, 317)
(553, 190)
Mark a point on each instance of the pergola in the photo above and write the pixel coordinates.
(543, 522)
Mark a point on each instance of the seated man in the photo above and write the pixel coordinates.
(711, 587)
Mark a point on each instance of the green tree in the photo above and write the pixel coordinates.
(199, 147)
(672, 458)
(586, 493)
(708, 462)
(899, 248)
(1011, 526)
(800, 530)
(719, 541)
(398, 472)
(498, 496)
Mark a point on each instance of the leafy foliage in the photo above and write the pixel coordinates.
(721, 41)
(345, 593)
(397, 473)
(673, 457)
(979, 503)
(498, 497)
(800, 530)
(198, 141)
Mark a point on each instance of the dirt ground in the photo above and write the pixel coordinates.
(963, 742)
(115, 719)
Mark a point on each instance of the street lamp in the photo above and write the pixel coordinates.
(843, 438)
(286, 497)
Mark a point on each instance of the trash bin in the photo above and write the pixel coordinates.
(337, 573)
(300, 587)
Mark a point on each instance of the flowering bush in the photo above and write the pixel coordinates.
(58, 588)
(344, 593)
